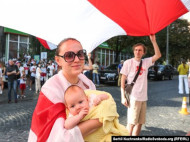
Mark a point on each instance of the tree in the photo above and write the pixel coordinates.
(179, 41)
(179, 36)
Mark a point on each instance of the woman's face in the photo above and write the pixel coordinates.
(75, 67)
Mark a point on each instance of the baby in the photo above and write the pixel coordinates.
(79, 104)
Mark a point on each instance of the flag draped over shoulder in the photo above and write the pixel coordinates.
(45, 115)
(90, 21)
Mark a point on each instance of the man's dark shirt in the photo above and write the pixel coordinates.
(12, 77)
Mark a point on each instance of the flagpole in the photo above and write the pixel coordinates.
(167, 46)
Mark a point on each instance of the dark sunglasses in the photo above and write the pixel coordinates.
(70, 56)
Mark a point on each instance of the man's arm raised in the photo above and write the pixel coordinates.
(157, 54)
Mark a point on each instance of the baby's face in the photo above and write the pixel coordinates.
(76, 102)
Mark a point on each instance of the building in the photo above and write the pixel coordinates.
(106, 55)
(13, 44)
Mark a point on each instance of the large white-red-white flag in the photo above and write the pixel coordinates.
(89, 21)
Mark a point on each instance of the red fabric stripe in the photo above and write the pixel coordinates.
(43, 42)
(44, 116)
(141, 17)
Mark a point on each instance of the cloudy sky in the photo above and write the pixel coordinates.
(186, 16)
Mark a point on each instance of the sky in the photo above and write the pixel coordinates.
(186, 16)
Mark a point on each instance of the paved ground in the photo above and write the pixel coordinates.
(163, 118)
(163, 105)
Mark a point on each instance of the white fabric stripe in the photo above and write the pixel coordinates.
(51, 45)
(56, 20)
(32, 136)
(60, 134)
(186, 3)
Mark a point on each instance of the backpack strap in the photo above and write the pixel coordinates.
(136, 76)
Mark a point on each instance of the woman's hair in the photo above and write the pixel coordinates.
(63, 41)
(140, 44)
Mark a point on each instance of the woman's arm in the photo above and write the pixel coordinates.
(89, 126)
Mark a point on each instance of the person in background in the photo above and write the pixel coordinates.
(103, 66)
(33, 74)
(23, 84)
(12, 72)
(119, 74)
(43, 74)
(70, 56)
(188, 63)
(28, 57)
(1, 80)
(183, 70)
(138, 97)
(3, 69)
(21, 68)
(26, 66)
(50, 69)
(88, 66)
(95, 73)
(37, 78)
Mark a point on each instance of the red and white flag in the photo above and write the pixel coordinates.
(91, 22)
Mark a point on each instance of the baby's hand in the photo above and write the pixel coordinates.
(100, 98)
(83, 113)
(96, 101)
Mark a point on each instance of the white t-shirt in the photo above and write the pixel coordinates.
(23, 81)
(130, 68)
(38, 73)
(20, 70)
(33, 71)
(43, 69)
(26, 68)
(51, 68)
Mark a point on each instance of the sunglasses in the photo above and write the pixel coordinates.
(70, 56)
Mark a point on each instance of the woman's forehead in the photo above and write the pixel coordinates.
(71, 45)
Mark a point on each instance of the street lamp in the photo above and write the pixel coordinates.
(167, 46)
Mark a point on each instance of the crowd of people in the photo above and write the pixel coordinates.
(22, 73)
